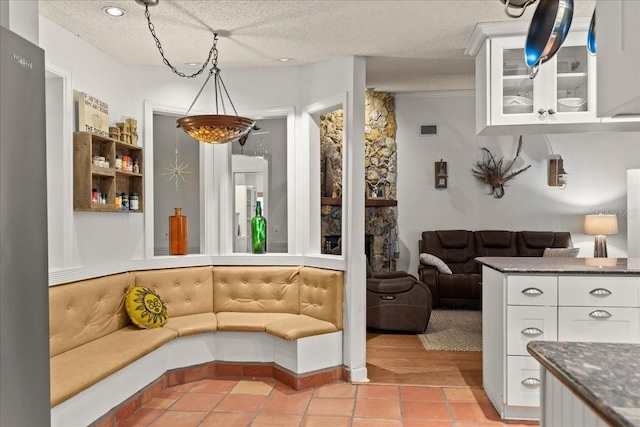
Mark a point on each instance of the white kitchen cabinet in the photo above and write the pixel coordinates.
(599, 324)
(530, 290)
(562, 92)
(618, 57)
(561, 98)
(526, 324)
(521, 307)
(523, 381)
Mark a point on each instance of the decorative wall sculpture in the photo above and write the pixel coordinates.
(495, 172)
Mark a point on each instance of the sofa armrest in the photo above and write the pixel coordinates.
(429, 276)
(391, 286)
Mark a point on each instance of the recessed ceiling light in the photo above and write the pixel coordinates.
(285, 59)
(192, 64)
(113, 11)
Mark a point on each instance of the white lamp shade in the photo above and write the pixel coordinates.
(600, 224)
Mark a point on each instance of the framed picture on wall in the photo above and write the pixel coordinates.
(375, 191)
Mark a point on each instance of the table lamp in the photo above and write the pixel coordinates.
(600, 225)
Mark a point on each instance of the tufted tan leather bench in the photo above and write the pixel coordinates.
(91, 336)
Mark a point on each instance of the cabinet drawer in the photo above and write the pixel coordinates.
(582, 291)
(526, 324)
(532, 290)
(599, 324)
(523, 381)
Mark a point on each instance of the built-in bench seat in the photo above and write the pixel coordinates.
(289, 315)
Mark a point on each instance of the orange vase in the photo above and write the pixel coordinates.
(178, 233)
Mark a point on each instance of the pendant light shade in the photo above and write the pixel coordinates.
(216, 128)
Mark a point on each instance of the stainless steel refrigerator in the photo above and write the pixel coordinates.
(24, 293)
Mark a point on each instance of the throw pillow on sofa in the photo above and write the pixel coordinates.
(436, 262)
(145, 308)
(561, 252)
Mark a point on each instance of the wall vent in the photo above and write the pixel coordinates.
(428, 130)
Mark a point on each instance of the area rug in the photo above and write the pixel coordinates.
(453, 330)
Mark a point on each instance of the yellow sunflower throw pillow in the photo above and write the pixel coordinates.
(145, 308)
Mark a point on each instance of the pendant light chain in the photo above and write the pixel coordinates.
(166, 61)
(218, 84)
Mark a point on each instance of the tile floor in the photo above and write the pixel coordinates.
(266, 402)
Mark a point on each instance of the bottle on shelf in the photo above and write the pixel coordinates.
(259, 231)
(178, 233)
(134, 203)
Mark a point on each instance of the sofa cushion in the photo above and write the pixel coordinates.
(561, 252)
(184, 290)
(256, 290)
(533, 243)
(192, 324)
(433, 260)
(448, 246)
(85, 365)
(496, 243)
(453, 239)
(322, 294)
(145, 308)
(300, 326)
(84, 311)
(249, 322)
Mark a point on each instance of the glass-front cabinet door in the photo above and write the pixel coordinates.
(515, 98)
(573, 77)
(562, 92)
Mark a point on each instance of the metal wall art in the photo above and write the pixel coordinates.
(495, 172)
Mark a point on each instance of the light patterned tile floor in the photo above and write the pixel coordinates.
(241, 403)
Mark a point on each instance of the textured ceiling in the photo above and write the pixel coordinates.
(410, 45)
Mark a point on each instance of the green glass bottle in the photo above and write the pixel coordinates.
(259, 231)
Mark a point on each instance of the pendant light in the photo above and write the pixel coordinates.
(209, 128)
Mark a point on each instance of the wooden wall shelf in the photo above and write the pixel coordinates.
(370, 203)
(111, 181)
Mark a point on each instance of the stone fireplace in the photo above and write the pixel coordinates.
(380, 177)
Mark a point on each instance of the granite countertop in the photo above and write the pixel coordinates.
(563, 265)
(605, 376)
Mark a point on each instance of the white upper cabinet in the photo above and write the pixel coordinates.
(562, 92)
(618, 53)
(561, 98)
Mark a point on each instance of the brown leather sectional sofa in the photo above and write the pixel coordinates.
(459, 248)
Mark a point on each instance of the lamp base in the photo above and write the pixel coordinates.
(600, 247)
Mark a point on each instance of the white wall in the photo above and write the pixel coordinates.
(125, 89)
(597, 164)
